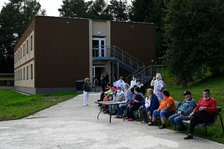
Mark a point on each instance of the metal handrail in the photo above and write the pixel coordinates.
(122, 55)
(134, 73)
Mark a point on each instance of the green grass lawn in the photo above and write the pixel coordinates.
(216, 86)
(14, 105)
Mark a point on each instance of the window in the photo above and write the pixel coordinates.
(31, 42)
(24, 73)
(15, 57)
(19, 74)
(31, 71)
(27, 49)
(24, 49)
(27, 73)
(23, 52)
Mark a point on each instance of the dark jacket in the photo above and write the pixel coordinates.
(86, 87)
(154, 104)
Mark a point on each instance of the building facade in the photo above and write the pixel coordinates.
(6, 79)
(54, 52)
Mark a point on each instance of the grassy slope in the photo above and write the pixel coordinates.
(216, 86)
(14, 105)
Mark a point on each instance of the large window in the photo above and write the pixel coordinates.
(99, 47)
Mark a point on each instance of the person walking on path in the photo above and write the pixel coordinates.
(86, 90)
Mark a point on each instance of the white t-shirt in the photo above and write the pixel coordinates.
(147, 102)
(154, 83)
(133, 82)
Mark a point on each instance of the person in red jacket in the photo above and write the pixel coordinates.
(204, 112)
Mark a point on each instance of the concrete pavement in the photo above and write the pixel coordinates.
(69, 125)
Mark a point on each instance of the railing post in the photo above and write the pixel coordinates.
(122, 54)
(118, 70)
(114, 51)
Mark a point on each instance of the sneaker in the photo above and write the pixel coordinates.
(143, 122)
(118, 116)
(162, 126)
(130, 119)
(151, 124)
(188, 137)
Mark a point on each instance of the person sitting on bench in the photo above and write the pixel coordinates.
(128, 95)
(134, 105)
(166, 108)
(151, 104)
(203, 113)
(104, 94)
(185, 109)
(119, 95)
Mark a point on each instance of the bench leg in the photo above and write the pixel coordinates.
(206, 131)
(99, 112)
(221, 121)
(110, 111)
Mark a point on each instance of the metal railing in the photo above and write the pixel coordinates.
(146, 73)
(118, 53)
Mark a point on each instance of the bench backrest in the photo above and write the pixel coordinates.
(177, 105)
(215, 117)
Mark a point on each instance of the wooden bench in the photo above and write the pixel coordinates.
(218, 113)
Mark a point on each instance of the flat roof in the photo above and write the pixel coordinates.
(6, 74)
(77, 18)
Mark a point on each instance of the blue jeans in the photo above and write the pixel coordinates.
(162, 113)
(121, 110)
(176, 119)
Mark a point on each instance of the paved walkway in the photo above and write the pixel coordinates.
(69, 125)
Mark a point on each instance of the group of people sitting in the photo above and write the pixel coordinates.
(151, 107)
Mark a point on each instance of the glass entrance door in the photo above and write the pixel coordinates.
(99, 47)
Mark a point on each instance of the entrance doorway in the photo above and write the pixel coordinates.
(97, 71)
(99, 47)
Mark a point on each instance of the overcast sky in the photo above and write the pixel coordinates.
(50, 5)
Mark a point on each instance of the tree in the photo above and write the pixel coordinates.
(156, 15)
(118, 10)
(99, 10)
(75, 8)
(194, 32)
(15, 16)
(140, 10)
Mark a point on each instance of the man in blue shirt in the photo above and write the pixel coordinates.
(185, 109)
